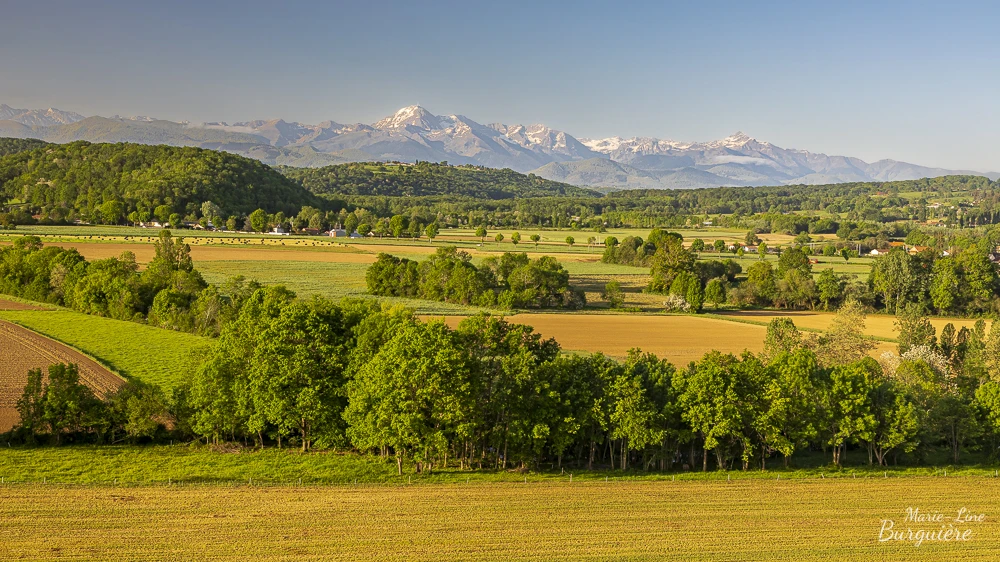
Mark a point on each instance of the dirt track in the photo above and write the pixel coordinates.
(12, 305)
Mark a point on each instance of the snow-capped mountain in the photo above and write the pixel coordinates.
(38, 117)
(738, 159)
(414, 133)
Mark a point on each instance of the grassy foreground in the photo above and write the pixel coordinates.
(129, 465)
(797, 520)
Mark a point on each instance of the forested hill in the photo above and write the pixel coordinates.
(13, 146)
(837, 197)
(76, 179)
(428, 178)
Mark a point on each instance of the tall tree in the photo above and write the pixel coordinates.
(670, 260)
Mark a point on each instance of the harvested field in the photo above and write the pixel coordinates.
(144, 252)
(679, 339)
(14, 305)
(254, 250)
(22, 350)
(878, 325)
(831, 519)
(486, 251)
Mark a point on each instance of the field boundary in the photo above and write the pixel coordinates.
(799, 328)
(537, 479)
(65, 344)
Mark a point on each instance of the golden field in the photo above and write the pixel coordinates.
(795, 520)
(144, 252)
(878, 325)
(677, 338)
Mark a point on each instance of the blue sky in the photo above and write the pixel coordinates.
(909, 80)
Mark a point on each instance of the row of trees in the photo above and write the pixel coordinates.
(428, 178)
(866, 213)
(511, 280)
(59, 406)
(169, 293)
(490, 394)
(965, 284)
(962, 281)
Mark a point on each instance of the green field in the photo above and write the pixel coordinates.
(331, 280)
(194, 463)
(153, 355)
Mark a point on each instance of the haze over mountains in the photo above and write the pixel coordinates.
(413, 133)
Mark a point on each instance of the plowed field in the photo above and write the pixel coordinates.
(12, 305)
(22, 350)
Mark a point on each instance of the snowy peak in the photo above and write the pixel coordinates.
(650, 146)
(605, 146)
(410, 116)
(737, 139)
(39, 117)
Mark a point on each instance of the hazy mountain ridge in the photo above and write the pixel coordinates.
(413, 133)
(38, 117)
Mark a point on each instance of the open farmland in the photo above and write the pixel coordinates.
(22, 350)
(795, 520)
(677, 338)
(153, 355)
(144, 252)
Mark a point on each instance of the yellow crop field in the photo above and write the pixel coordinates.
(679, 339)
(878, 325)
(298, 249)
(833, 519)
(144, 252)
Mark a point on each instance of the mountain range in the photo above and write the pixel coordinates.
(413, 133)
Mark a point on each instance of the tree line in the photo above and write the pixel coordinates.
(428, 178)
(57, 406)
(169, 293)
(961, 280)
(511, 280)
(363, 376)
